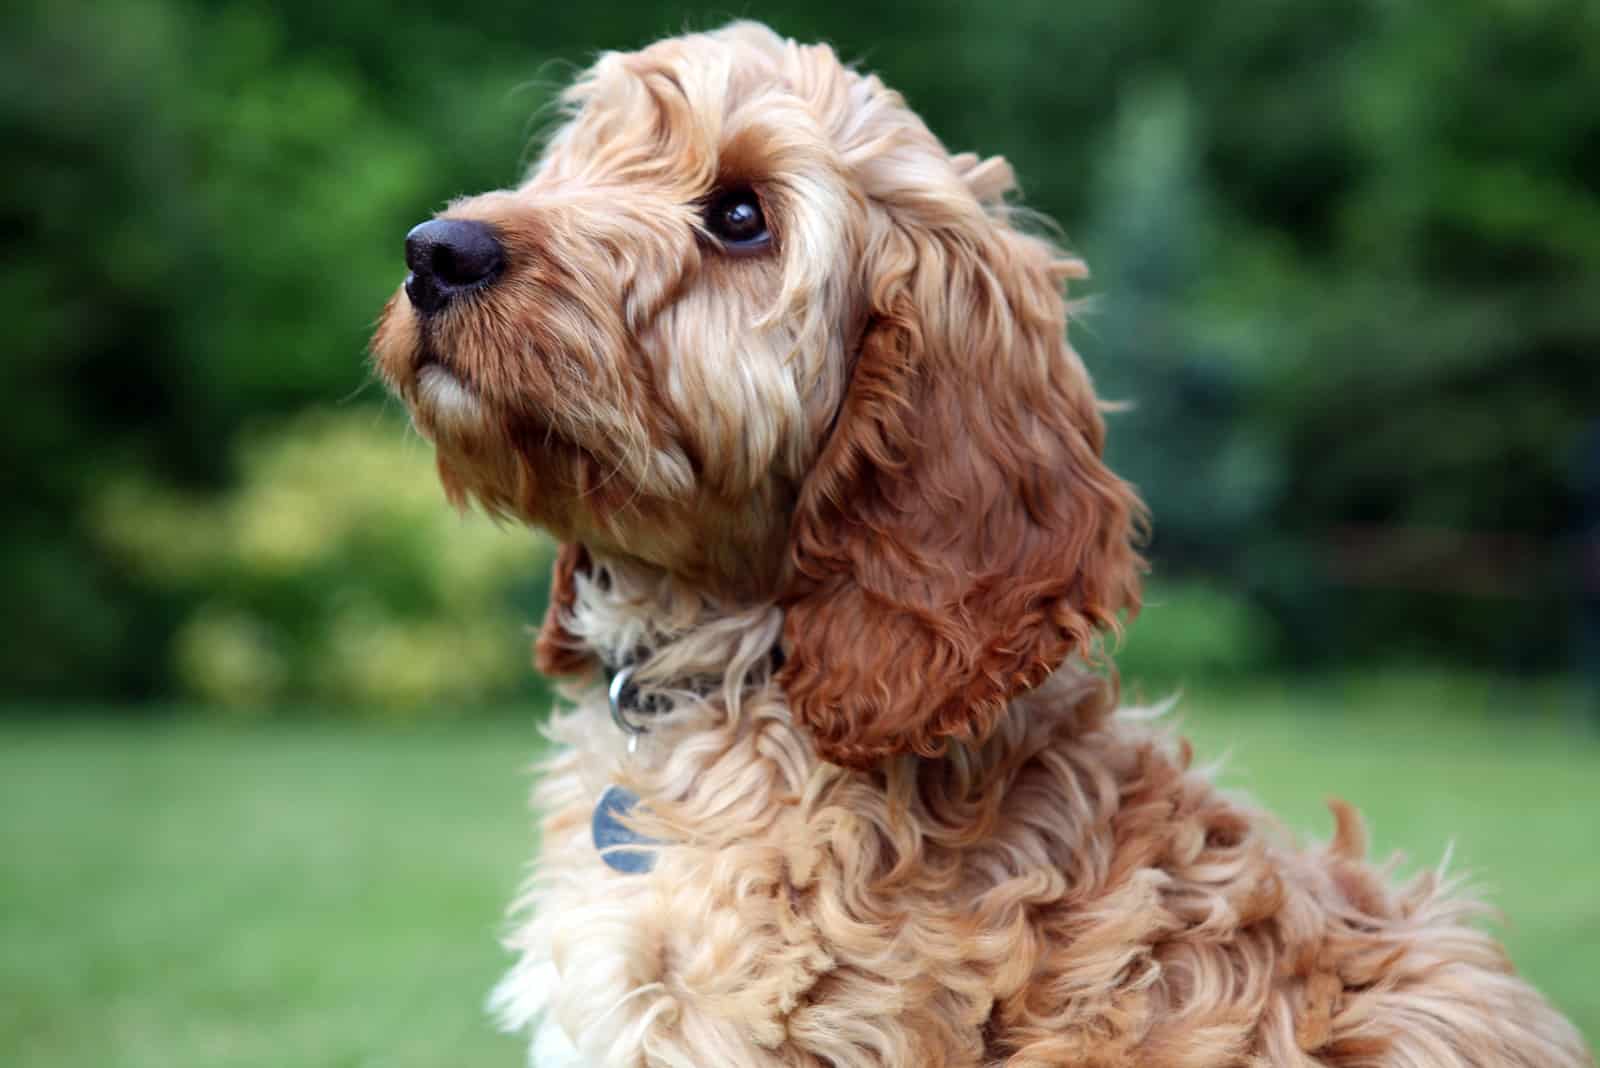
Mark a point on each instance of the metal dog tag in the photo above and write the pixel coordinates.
(622, 849)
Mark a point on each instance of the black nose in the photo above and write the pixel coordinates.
(447, 257)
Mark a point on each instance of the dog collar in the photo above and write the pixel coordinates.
(632, 710)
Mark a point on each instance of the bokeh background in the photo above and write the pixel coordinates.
(267, 699)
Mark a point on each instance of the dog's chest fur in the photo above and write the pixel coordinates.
(1071, 893)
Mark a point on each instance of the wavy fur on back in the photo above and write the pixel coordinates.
(929, 838)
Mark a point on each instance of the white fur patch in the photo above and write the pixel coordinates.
(447, 398)
(522, 997)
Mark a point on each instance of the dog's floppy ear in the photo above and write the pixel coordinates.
(959, 536)
(557, 651)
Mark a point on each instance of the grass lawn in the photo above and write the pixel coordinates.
(184, 894)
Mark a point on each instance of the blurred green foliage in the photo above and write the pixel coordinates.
(1346, 261)
(333, 573)
(1196, 629)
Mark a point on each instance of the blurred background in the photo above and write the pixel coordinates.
(266, 698)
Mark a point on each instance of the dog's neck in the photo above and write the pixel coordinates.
(669, 635)
(676, 639)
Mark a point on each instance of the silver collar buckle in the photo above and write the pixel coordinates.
(624, 698)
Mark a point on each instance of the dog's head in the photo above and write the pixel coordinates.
(748, 322)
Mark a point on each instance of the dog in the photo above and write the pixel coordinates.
(844, 781)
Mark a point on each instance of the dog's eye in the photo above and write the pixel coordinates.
(735, 219)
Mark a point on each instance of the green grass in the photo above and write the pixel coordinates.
(296, 895)
(187, 894)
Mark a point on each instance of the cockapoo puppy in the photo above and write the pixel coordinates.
(843, 782)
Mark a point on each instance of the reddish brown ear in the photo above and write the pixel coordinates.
(557, 651)
(959, 536)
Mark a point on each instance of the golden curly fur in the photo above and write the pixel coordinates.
(929, 838)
